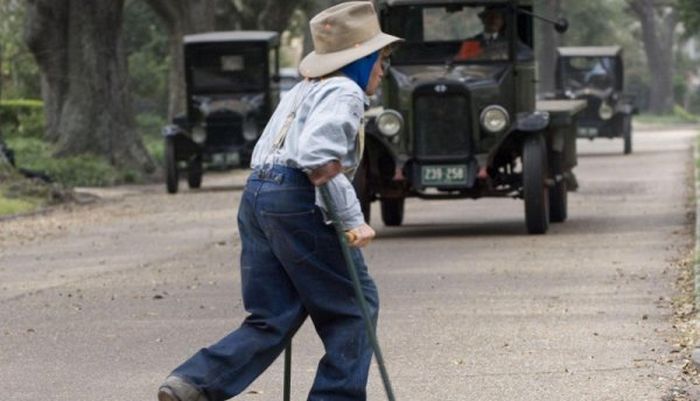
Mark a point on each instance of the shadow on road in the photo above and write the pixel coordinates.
(575, 226)
(649, 152)
(621, 224)
(213, 189)
(451, 230)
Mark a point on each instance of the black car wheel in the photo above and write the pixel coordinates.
(558, 194)
(392, 211)
(194, 172)
(627, 134)
(361, 184)
(535, 191)
(171, 173)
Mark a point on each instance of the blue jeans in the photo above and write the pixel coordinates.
(291, 267)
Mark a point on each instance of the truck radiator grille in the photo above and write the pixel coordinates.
(224, 131)
(442, 126)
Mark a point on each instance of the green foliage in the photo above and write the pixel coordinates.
(146, 44)
(684, 115)
(588, 27)
(679, 116)
(150, 126)
(156, 148)
(86, 170)
(9, 206)
(690, 15)
(19, 74)
(24, 117)
(22, 103)
(21, 195)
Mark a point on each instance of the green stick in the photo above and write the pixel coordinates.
(288, 371)
(359, 295)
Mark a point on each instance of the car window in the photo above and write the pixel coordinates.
(439, 24)
(589, 72)
(220, 70)
(436, 34)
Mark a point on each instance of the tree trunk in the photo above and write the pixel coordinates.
(79, 50)
(658, 35)
(547, 47)
(46, 34)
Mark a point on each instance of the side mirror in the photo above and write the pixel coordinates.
(562, 25)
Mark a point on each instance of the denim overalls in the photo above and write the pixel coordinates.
(291, 267)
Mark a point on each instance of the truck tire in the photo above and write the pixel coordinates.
(535, 191)
(361, 184)
(627, 134)
(171, 173)
(194, 172)
(392, 211)
(558, 194)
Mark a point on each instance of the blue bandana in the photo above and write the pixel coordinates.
(360, 70)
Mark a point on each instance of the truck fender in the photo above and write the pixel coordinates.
(373, 135)
(172, 130)
(531, 121)
(625, 109)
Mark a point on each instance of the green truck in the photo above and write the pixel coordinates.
(596, 74)
(457, 116)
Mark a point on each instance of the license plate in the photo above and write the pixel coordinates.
(443, 175)
(587, 132)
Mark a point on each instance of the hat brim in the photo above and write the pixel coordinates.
(316, 65)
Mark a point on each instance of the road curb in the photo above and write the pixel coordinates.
(696, 259)
(696, 183)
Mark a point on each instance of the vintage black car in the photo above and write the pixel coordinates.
(596, 74)
(232, 83)
(459, 117)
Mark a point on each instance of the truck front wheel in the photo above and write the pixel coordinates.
(392, 211)
(361, 184)
(627, 134)
(558, 194)
(171, 173)
(194, 172)
(535, 192)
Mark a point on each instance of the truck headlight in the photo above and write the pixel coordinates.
(389, 122)
(606, 111)
(199, 134)
(494, 119)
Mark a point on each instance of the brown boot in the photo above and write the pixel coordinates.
(177, 389)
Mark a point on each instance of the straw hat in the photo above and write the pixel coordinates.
(342, 34)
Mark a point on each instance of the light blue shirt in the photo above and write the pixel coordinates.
(325, 129)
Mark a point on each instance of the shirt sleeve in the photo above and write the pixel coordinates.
(329, 134)
(344, 198)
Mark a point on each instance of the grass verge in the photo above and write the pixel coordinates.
(19, 195)
(678, 117)
(16, 206)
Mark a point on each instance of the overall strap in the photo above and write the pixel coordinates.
(281, 136)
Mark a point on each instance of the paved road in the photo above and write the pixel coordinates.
(101, 301)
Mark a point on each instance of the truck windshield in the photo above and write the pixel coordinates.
(452, 33)
(589, 72)
(215, 70)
